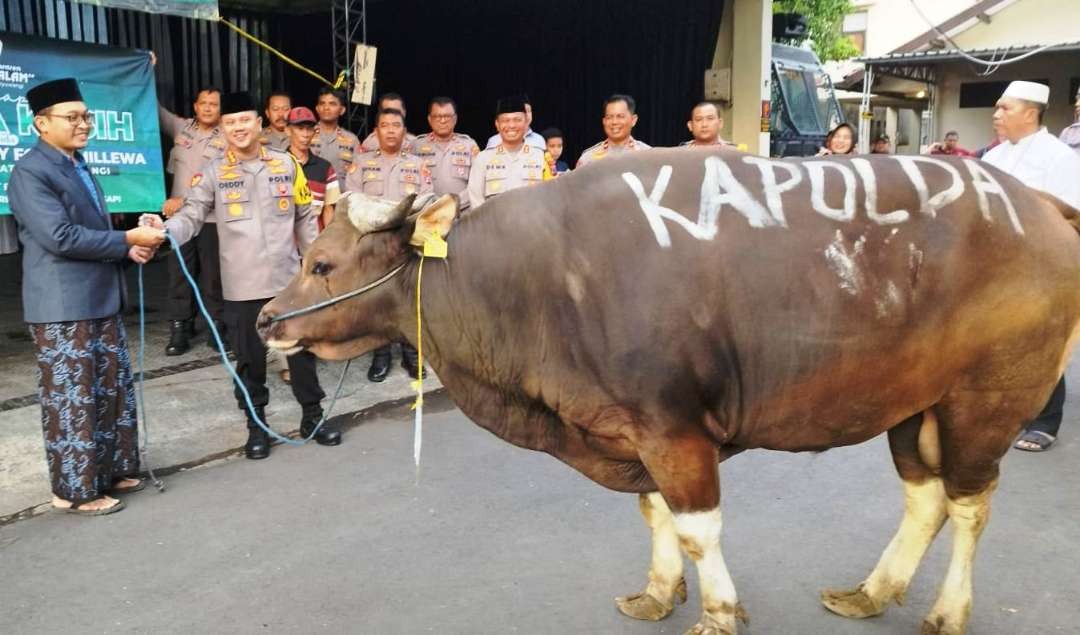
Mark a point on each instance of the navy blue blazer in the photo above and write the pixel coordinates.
(73, 260)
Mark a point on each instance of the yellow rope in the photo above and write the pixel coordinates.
(336, 84)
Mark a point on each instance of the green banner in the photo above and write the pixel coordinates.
(205, 9)
(118, 87)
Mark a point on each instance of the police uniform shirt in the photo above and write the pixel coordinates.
(449, 162)
(694, 144)
(192, 149)
(371, 143)
(391, 177)
(262, 218)
(339, 147)
(498, 170)
(278, 140)
(606, 149)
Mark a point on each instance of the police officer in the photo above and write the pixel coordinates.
(532, 138)
(620, 117)
(262, 206)
(278, 105)
(389, 173)
(510, 164)
(447, 155)
(195, 142)
(332, 142)
(392, 101)
(705, 125)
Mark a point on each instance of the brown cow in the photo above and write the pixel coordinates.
(645, 318)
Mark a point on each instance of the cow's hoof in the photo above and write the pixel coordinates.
(711, 626)
(938, 625)
(644, 606)
(852, 602)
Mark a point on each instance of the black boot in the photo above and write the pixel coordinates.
(328, 434)
(380, 365)
(410, 362)
(179, 337)
(221, 332)
(258, 443)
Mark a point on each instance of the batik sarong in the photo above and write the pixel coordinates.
(87, 396)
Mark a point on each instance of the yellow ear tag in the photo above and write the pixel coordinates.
(434, 246)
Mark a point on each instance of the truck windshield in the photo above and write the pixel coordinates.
(800, 99)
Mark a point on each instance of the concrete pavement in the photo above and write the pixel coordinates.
(489, 538)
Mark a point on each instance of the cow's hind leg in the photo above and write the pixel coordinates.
(977, 429)
(666, 587)
(685, 470)
(916, 454)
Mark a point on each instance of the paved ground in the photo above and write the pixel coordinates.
(489, 538)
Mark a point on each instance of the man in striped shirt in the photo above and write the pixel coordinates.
(320, 175)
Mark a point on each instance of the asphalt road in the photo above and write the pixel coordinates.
(488, 538)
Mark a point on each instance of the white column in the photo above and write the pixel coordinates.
(751, 74)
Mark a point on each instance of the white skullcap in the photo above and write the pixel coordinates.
(1029, 91)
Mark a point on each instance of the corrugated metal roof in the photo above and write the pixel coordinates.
(932, 56)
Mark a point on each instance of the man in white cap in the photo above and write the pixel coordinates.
(1044, 162)
(1028, 151)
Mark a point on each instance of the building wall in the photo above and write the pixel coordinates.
(974, 124)
(1026, 22)
(891, 23)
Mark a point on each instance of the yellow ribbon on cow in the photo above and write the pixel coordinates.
(434, 247)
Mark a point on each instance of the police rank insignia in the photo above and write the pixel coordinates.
(195, 180)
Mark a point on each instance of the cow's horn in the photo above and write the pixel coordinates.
(371, 215)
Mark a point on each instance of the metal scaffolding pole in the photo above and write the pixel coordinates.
(348, 19)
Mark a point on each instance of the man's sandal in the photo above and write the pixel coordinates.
(78, 509)
(1041, 440)
(129, 489)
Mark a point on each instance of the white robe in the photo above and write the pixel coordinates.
(1041, 161)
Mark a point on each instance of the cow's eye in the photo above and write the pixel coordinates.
(321, 268)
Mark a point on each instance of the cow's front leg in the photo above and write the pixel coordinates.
(685, 469)
(666, 587)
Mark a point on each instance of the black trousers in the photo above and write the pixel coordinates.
(200, 255)
(251, 359)
(1049, 420)
(386, 352)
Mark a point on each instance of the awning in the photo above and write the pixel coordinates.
(934, 56)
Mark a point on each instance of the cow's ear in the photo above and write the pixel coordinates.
(435, 218)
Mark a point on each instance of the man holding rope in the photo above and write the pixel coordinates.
(263, 208)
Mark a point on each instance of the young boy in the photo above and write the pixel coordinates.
(554, 138)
